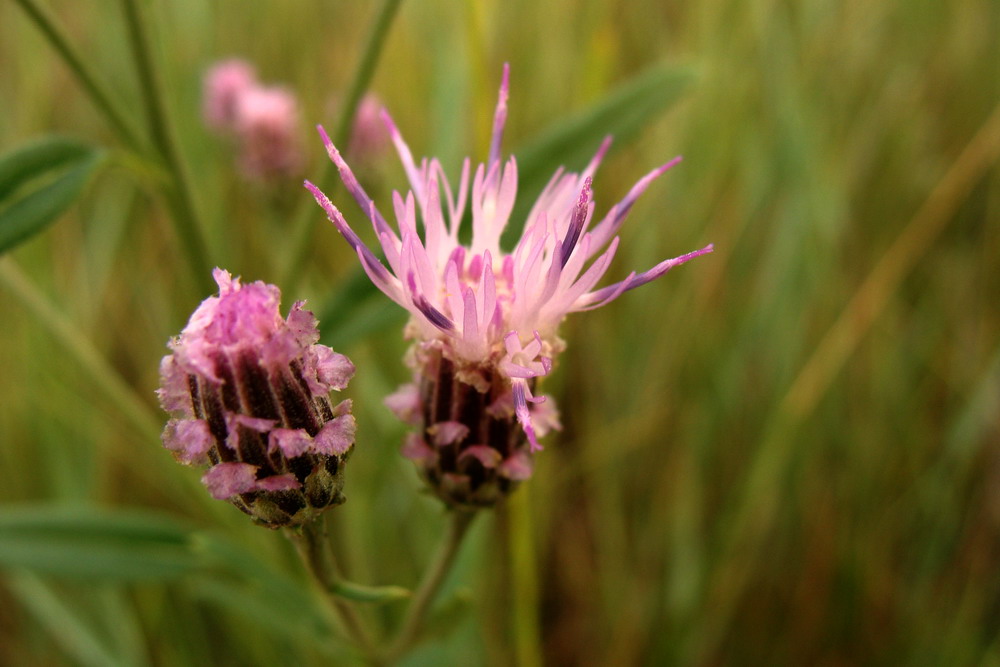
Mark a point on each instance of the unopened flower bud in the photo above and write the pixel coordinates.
(224, 84)
(248, 391)
(267, 128)
(470, 448)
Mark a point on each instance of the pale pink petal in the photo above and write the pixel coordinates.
(291, 442)
(489, 457)
(229, 479)
(336, 437)
(286, 482)
(415, 449)
(405, 404)
(190, 439)
(446, 433)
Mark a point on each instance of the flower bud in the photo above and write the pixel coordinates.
(224, 84)
(470, 449)
(248, 391)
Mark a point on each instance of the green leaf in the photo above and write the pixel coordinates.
(573, 140)
(38, 183)
(94, 543)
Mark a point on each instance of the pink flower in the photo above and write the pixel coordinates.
(368, 138)
(224, 84)
(489, 319)
(266, 125)
(248, 391)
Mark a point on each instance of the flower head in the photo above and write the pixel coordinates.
(224, 84)
(484, 320)
(249, 393)
(267, 127)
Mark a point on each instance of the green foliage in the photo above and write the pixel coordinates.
(783, 453)
(38, 182)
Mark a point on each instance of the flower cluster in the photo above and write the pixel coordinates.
(485, 321)
(262, 119)
(249, 393)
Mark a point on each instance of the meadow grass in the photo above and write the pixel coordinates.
(785, 452)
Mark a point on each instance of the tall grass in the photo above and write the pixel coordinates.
(783, 453)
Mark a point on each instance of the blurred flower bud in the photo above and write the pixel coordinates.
(223, 86)
(267, 129)
(248, 391)
(369, 139)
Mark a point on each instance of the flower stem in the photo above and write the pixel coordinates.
(298, 245)
(431, 583)
(47, 24)
(180, 195)
(524, 573)
(313, 546)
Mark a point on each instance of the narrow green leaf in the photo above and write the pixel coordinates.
(94, 543)
(68, 625)
(38, 183)
(22, 165)
(573, 140)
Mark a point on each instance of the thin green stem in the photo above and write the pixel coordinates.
(524, 573)
(298, 245)
(313, 545)
(431, 583)
(181, 196)
(46, 23)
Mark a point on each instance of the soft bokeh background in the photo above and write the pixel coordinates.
(782, 453)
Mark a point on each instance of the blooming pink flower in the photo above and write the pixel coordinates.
(488, 319)
(249, 393)
(224, 84)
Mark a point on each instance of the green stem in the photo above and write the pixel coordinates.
(313, 545)
(47, 24)
(524, 573)
(431, 583)
(298, 245)
(181, 196)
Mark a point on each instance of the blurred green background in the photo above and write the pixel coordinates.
(785, 452)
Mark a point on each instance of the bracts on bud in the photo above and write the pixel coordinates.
(470, 448)
(249, 393)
